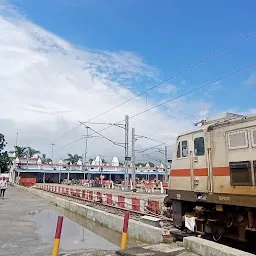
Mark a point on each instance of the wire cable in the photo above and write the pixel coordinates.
(154, 147)
(65, 134)
(168, 79)
(145, 137)
(186, 93)
(182, 95)
(180, 73)
(115, 143)
(194, 90)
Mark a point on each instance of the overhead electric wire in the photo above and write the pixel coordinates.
(168, 79)
(97, 132)
(153, 158)
(182, 95)
(115, 143)
(66, 133)
(196, 89)
(144, 150)
(70, 143)
(180, 73)
(145, 137)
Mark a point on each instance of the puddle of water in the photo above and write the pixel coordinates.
(73, 237)
(78, 233)
(110, 235)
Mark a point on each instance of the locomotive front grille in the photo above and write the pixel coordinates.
(240, 173)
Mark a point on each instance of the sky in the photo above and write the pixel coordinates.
(67, 60)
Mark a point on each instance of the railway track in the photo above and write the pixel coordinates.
(165, 222)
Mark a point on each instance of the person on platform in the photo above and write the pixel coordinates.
(3, 186)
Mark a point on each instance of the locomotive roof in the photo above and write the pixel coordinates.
(223, 119)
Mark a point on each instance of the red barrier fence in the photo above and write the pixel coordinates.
(27, 182)
(134, 203)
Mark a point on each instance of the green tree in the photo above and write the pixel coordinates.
(151, 164)
(4, 158)
(45, 160)
(19, 151)
(73, 158)
(142, 164)
(31, 152)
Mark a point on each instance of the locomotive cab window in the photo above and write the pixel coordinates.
(199, 146)
(184, 145)
(178, 151)
(182, 149)
(253, 135)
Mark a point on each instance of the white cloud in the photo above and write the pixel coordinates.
(47, 85)
(167, 89)
(251, 79)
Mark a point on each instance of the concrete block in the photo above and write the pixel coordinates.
(151, 220)
(137, 251)
(168, 249)
(152, 250)
(204, 247)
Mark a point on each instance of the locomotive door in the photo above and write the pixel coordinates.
(199, 162)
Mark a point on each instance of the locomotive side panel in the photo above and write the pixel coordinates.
(233, 159)
(216, 188)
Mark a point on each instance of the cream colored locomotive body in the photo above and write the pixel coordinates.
(216, 165)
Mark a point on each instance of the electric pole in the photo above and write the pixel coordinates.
(86, 146)
(166, 162)
(17, 135)
(126, 178)
(165, 155)
(133, 155)
(52, 151)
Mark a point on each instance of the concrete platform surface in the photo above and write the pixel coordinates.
(205, 247)
(28, 226)
(156, 250)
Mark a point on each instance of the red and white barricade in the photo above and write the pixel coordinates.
(131, 203)
(149, 187)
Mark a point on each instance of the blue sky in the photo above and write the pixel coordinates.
(169, 35)
(82, 55)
